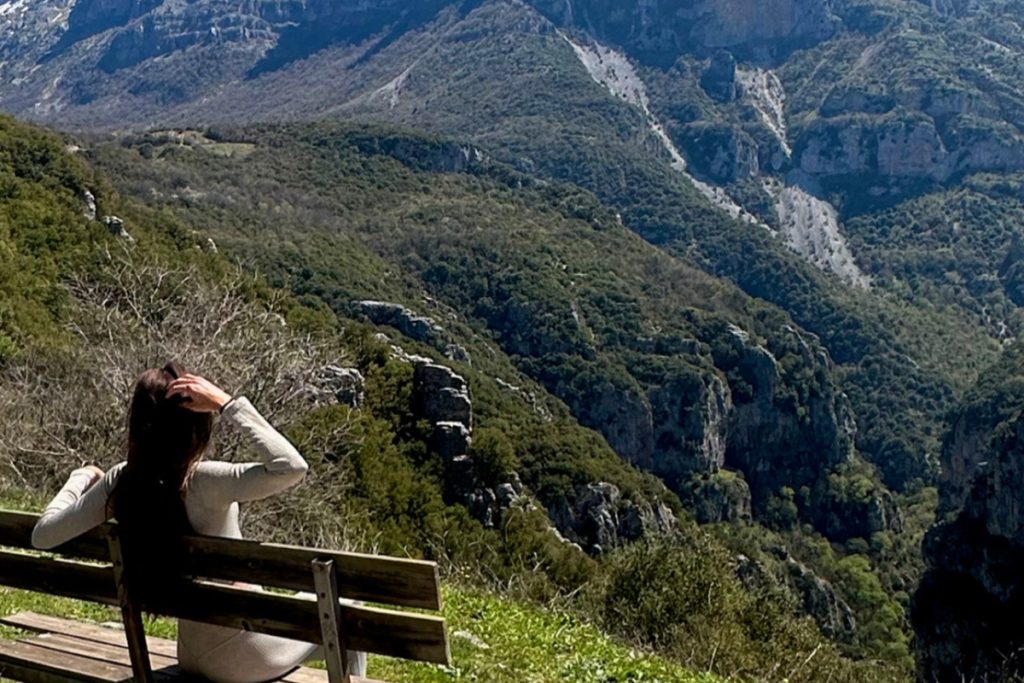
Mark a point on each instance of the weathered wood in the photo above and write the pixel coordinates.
(16, 532)
(131, 615)
(15, 656)
(84, 647)
(72, 636)
(371, 578)
(41, 623)
(66, 578)
(331, 625)
(397, 634)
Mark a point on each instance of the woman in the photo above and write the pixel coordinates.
(164, 490)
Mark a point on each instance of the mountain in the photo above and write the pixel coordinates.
(778, 153)
(424, 436)
(759, 249)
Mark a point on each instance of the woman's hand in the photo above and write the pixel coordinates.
(200, 394)
(96, 473)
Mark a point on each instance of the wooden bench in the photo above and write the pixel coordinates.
(90, 568)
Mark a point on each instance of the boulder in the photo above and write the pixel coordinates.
(115, 226)
(441, 395)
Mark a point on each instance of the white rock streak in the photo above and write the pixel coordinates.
(764, 90)
(810, 227)
(613, 70)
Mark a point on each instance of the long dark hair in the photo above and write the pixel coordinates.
(165, 443)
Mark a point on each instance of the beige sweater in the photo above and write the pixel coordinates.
(211, 501)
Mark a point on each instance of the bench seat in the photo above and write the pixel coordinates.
(67, 650)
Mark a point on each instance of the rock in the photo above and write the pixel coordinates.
(450, 440)
(507, 495)
(482, 505)
(345, 385)
(458, 353)
(210, 246)
(719, 78)
(820, 600)
(441, 395)
(600, 519)
(720, 497)
(90, 205)
(966, 610)
(720, 152)
(115, 226)
(417, 327)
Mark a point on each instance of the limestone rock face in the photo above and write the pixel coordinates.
(412, 325)
(966, 611)
(600, 519)
(719, 78)
(659, 29)
(441, 395)
(820, 600)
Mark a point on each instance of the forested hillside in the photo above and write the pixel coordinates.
(111, 295)
(569, 291)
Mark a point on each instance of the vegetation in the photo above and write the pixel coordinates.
(126, 305)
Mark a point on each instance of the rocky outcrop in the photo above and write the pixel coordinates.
(89, 199)
(412, 325)
(820, 599)
(966, 611)
(719, 77)
(441, 396)
(600, 518)
(115, 226)
(337, 383)
(721, 153)
(658, 30)
(720, 497)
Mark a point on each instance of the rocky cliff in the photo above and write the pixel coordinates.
(967, 609)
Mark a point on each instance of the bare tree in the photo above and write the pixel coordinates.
(60, 410)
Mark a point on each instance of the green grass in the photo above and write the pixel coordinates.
(523, 643)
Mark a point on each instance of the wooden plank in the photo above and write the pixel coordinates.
(17, 655)
(84, 647)
(131, 615)
(58, 577)
(331, 625)
(30, 621)
(370, 578)
(306, 675)
(398, 634)
(16, 532)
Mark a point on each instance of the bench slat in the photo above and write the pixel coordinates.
(83, 631)
(106, 652)
(397, 634)
(41, 623)
(372, 578)
(58, 665)
(16, 532)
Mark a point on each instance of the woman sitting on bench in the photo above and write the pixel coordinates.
(164, 491)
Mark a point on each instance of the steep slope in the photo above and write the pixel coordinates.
(966, 611)
(110, 295)
(684, 375)
(678, 118)
(681, 373)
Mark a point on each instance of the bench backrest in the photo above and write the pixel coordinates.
(329, 574)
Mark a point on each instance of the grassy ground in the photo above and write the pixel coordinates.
(494, 640)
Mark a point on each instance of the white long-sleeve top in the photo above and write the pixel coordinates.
(211, 502)
(212, 495)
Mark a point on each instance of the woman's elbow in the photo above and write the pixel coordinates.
(42, 536)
